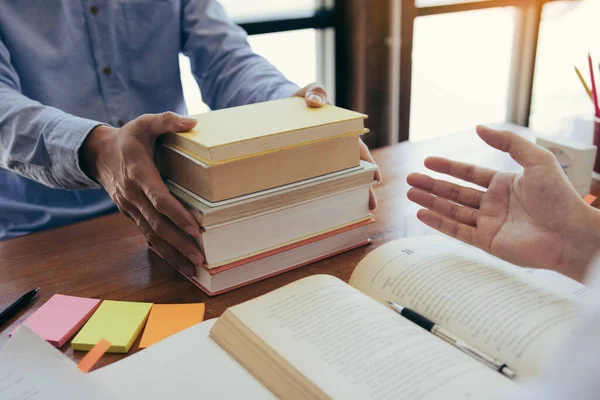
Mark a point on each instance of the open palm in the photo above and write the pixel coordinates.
(534, 218)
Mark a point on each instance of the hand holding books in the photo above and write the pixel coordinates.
(534, 218)
(121, 159)
(273, 185)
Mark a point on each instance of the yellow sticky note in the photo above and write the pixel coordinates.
(168, 319)
(119, 322)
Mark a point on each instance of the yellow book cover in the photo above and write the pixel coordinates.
(242, 131)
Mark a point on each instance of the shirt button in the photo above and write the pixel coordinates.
(94, 10)
(121, 122)
(106, 71)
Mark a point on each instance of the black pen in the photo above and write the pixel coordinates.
(443, 334)
(17, 305)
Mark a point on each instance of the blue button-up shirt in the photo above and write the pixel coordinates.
(68, 65)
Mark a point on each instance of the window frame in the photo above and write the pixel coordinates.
(529, 15)
(325, 21)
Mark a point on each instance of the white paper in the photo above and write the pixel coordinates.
(30, 368)
(187, 365)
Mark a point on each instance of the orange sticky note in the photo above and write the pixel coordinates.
(590, 198)
(168, 319)
(92, 357)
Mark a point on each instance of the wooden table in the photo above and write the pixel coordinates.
(107, 258)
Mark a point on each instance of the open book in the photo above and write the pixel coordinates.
(322, 338)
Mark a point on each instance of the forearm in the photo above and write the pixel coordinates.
(241, 78)
(227, 70)
(41, 143)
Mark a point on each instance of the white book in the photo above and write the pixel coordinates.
(218, 280)
(225, 243)
(214, 213)
(186, 366)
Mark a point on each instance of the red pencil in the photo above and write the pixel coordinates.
(594, 92)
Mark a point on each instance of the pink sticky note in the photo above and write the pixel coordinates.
(60, 317)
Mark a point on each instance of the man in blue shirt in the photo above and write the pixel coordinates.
(76, 77)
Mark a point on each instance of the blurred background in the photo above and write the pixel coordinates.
(425, 68)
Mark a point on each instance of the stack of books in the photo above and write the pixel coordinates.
(274, 186)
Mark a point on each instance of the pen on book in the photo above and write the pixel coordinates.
(443, 334)
(585, 85)
(17, 305)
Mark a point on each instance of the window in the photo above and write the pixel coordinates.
(293, 53)
(191, 92)
(309, 61)
(568, 31)
(299, 66)
(428, 3)
(252, 10)
(525, 47)
(461, 70)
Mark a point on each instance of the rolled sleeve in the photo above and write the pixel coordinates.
(64, 144)
(285, 90)
(42, 143)
(37, 141)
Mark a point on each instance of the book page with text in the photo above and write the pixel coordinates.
(486, 302)
(351, 347)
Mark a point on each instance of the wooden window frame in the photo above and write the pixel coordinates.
(523, 59)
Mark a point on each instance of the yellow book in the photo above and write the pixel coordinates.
(260, 128)
(119, 322)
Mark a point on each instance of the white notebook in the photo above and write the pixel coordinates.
(187, 365)
(31, 368)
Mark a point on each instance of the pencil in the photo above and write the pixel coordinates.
(594, 92)
(583, 82)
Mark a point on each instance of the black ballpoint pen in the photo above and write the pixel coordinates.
(443, 334)
(17, 305)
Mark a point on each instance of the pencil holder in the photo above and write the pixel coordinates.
(597, 144)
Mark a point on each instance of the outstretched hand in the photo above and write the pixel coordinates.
(534, 218)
